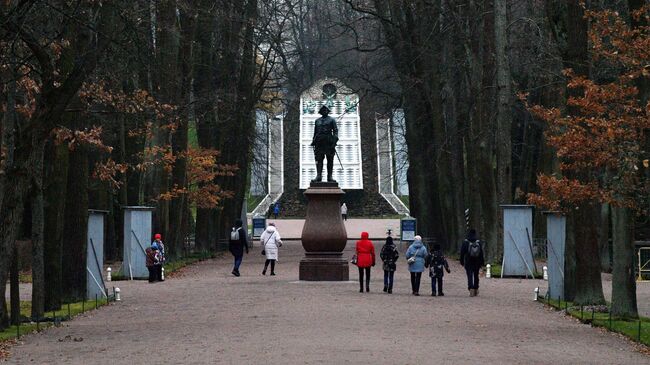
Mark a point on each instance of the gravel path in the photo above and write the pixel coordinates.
(208, 316)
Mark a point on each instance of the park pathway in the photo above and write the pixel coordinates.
(207, 316)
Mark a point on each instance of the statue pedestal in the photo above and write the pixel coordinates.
(324, 236)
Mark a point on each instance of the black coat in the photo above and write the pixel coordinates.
(237, 247)
(467, 261)
(389, 255)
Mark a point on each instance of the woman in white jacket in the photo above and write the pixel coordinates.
(271, 241)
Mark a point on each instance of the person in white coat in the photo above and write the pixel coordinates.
(344, 212)
(271, 242)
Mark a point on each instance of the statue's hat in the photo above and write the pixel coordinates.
(324, 108)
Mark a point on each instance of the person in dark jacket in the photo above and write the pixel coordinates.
(472, 258)
(437, 264)
(365, 251)
(389, 256)
(237, 247)
(150, 261)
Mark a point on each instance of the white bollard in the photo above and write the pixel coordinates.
(536, 293)
(117, 295)
(108, 274)
(162, 273)
(545, 272)
(488, 271)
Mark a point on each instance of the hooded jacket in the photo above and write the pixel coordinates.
(365, 251)
(420, 252)
(271, 241)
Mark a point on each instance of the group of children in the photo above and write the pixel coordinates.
(435, 262)
(155, 258)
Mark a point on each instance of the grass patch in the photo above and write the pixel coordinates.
(496, 272)
(637, 330)
(25, 277)
(67, 312)
(404, 199)
(252, 201)
(173, 264)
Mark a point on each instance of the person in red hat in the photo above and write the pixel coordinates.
(158, 245)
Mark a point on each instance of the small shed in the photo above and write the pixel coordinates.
(518, 259)
(555, 247)
(137, 237)
(95, 285)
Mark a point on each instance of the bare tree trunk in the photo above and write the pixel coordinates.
(588, 282)
(76, 227)
(504, 105)
(55, 191)
(14, 283)
(623, 281)
(603, 239)
(38, 226)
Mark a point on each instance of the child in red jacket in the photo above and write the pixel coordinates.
(365, 259)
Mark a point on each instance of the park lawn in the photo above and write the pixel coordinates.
(627, 327)
(175, 264)
(496, 272)
(67, 312)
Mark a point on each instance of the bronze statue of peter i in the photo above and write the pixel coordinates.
(326, 135)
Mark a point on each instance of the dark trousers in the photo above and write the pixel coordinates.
(367, 270)
(238, 260)
(266, 265)
(437, 280)
(345, 217)
(152, 273)
(472, 276)
(415, 281)
(388, 279)
(158, 274)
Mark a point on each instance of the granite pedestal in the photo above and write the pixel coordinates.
(323, 235)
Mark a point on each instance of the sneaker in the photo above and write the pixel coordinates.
(272, 274)
(367, 289)
(263, 272)
(234, 272)
(441, 294)
(385, 289)
(476, 292)
(390, 290)
(433, 294)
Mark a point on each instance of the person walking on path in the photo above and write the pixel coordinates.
(415, 256)
(344, 212)
(437, 264)
(276, 210)
(389, 256)
(158, 245)
(365, 251)
(271, 242)
(472, 258)
(237, 244)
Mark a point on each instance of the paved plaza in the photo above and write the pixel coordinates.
(204, 315)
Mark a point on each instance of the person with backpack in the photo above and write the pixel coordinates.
(271, 243)
(437, 264)
(471, 257)
(389, 256)
(415, 255)
(365, 252)
(237, 244)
